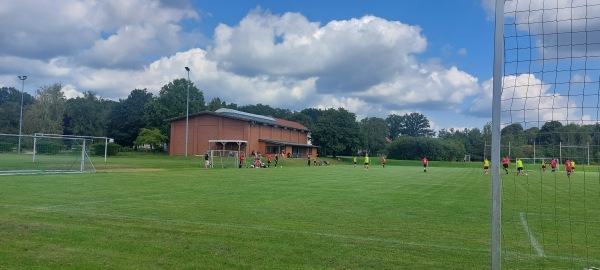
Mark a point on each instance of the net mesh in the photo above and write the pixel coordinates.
(551, 99)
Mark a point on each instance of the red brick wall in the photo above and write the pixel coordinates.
(203, 128)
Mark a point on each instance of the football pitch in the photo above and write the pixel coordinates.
(156, 212)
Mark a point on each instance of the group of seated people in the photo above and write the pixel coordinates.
(256, 163)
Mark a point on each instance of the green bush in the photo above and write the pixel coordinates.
(5, 147)
(47, 148)
(112, 149)
(127, 149)
(415, 148)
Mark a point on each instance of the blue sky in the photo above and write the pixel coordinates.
(374, 58)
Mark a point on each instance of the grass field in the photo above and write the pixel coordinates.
(157, 212)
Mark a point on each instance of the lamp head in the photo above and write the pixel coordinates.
(22, 78)
(187, 68)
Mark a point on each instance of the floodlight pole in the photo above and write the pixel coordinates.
(187, 110)
(22, 78)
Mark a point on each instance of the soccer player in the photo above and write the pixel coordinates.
(505, 163)
(520, 167)
(308, 159)
(543, 165)
(355, 161)
(276, 159)
(553, 164)
(269, 161)
(206, 161)
(568, 168)
(425, 163)
(241, 159)
(486, 165)
(572, 165)
(383, 161)
(366, 168)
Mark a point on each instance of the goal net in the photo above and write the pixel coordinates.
(224, 159)
(33, 154)
(547, 97)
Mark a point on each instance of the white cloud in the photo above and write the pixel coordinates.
(76, 29)
(563, 28)
(528, 100)
(368, 65)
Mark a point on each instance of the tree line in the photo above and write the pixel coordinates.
(336, 131)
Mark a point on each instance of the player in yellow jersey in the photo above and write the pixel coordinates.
(486, 165)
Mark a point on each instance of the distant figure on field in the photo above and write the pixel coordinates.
(553, 164)
(366, 168)
(486, 165)
(543, 166)
(520, 167)
(355, 159)
(505, 162)
(269, 161)
(572, 165)
(568, 167)
(241, 160)
(276, 160)
(425, 163)
(308, 159)
(206, 161)
(383, 161)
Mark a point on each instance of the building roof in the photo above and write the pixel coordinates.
(288, 143)
(248, 117)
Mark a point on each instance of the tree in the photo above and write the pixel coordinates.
(45, 115)
(531, 135)
(87, 115)
(127, 117)
(375, 131)
(394, 122)
(215, 104)
(415, 148)
(476, 144)
(152, 137)
(415, 125)
(266, 110)
(171, 102)
(337, 133)
(302, 119)
(10, 109)
(313, 114)
(550, 133)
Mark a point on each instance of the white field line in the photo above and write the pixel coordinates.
(534, 242)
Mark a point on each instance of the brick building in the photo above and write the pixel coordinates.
(233, 130)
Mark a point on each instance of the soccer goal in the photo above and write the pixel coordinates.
(224, 158)
(546, 90)
(36, 154)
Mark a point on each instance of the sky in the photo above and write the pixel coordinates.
(373, 58)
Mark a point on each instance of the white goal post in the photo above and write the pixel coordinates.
(43, 154)
(224, 158)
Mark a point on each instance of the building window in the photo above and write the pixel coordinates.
(273, 149)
